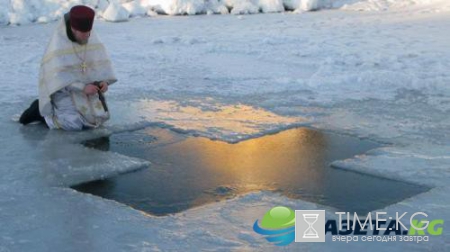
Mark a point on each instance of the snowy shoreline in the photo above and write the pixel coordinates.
(20, 12)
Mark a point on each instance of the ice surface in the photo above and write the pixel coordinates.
(377, 75)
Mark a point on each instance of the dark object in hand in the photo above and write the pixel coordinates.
(100, 95)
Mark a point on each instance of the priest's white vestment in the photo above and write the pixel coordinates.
(66, 68)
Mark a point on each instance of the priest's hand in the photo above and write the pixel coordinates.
(103, 86)
(90, 89)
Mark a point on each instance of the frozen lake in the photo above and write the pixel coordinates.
(372, 75)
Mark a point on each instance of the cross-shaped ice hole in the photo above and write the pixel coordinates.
(192, 171)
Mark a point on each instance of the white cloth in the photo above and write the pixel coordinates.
(62, 76)
(65, 115)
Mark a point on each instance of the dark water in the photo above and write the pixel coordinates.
(192, 171)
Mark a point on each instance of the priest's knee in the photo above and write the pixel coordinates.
(71, 123)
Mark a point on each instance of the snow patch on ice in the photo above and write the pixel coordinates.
(402, 164)
(207, 118)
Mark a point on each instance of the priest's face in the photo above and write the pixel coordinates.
(81, 37)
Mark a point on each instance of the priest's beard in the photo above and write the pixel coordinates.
(83, 41)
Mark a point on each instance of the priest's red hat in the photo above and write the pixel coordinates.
(82, 18)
